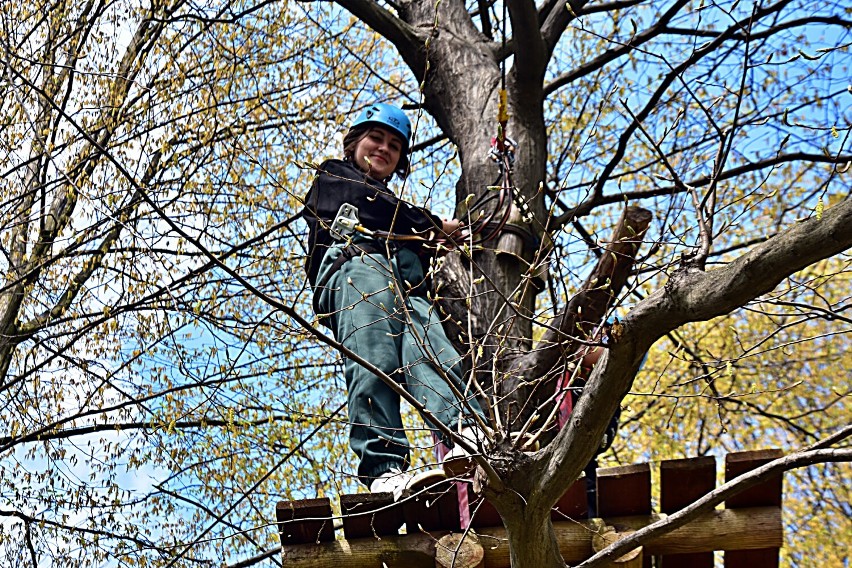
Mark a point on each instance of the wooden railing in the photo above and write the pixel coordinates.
(748, 529)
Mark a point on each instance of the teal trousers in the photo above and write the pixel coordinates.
(370, 312)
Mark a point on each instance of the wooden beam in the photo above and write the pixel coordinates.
(725, 529)
(434, 509)
(722, 529)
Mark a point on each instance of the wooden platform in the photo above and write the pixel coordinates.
(371, 523)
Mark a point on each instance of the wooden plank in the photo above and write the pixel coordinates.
(483, 514)
(436, 508)
(625, 490)
(573, 503)
(682, 482)
(720, 529)
(305, 521)
(370, 515)
(768, 493)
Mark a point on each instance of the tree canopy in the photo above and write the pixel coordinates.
(163, 380)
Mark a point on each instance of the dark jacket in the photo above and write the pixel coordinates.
(340, 182)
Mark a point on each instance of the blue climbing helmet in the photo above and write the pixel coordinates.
(388, 116)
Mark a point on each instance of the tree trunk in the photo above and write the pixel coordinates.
(486, 293)
(532, 541)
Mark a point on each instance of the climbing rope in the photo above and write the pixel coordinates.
(498, 203)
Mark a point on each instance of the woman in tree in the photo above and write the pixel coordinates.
(369, 289)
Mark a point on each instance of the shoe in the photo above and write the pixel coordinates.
(458, 461)
(397, 482)
(424, 480)
(391, 481)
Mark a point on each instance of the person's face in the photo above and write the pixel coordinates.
(378, 152)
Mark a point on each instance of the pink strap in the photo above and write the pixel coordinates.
(461, 486)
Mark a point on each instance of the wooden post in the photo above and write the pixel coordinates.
(573, 503)
(682, 482)
(370, 515)
(436, 508)
(767, 494)
(483, 513)
(625, 490)
(307, 521)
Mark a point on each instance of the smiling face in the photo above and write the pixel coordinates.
(378, 152)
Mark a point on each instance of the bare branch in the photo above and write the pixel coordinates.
(660, 27)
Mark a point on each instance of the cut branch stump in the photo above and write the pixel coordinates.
(611, 535)
(457, 550)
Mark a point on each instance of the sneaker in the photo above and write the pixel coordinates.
(458, 461)
(391, 481)
(397, 482)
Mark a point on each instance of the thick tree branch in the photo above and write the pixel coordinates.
(581, 316)
(531, 54)
(690, 295)
(407, 40)
(562, 14)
